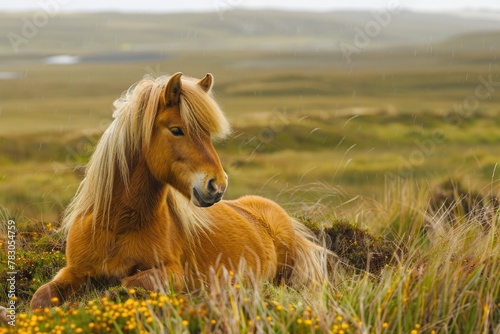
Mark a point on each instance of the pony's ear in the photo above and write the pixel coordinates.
(207, 82)
(172, 91)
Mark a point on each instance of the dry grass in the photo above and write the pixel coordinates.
(442, 278)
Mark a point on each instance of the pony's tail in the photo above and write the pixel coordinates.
(310, 264)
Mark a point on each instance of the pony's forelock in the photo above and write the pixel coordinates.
(200, 113)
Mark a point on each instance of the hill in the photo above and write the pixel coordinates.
(84, 33)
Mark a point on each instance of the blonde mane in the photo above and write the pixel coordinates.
(127, 139)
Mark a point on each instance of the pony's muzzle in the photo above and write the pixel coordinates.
(211, 193)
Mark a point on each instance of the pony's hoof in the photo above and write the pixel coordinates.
(43, 296)
(3, 316)
(146, 282)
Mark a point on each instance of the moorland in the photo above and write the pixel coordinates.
(364, 140)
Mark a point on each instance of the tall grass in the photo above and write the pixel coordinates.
(444, 278)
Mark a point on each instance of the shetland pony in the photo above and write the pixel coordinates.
(149, 211)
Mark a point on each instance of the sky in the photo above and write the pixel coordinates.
(218, 5)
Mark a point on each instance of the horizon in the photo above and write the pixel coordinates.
(478, 13)
(486, 13)
(152, 6)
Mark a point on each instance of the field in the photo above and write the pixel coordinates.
(367, 144)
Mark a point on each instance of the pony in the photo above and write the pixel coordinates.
(149, 212)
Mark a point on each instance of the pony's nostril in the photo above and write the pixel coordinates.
(212, 187)
(215, 189)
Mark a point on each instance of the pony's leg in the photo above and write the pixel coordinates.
(156, 279)
(65, 283)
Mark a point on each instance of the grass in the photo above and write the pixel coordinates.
(442, 279)
(356, 154)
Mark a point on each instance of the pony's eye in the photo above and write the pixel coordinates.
(177, 132)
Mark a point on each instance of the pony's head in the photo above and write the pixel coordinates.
(166, 124)
(177, 145)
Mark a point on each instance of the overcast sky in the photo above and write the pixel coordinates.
(215, 5)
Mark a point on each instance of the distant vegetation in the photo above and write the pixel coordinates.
(362, 148)
(271, 30)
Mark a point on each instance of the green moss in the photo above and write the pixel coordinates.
(357, 248)
(32, 270)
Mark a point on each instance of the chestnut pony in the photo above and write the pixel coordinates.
(149, 212)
